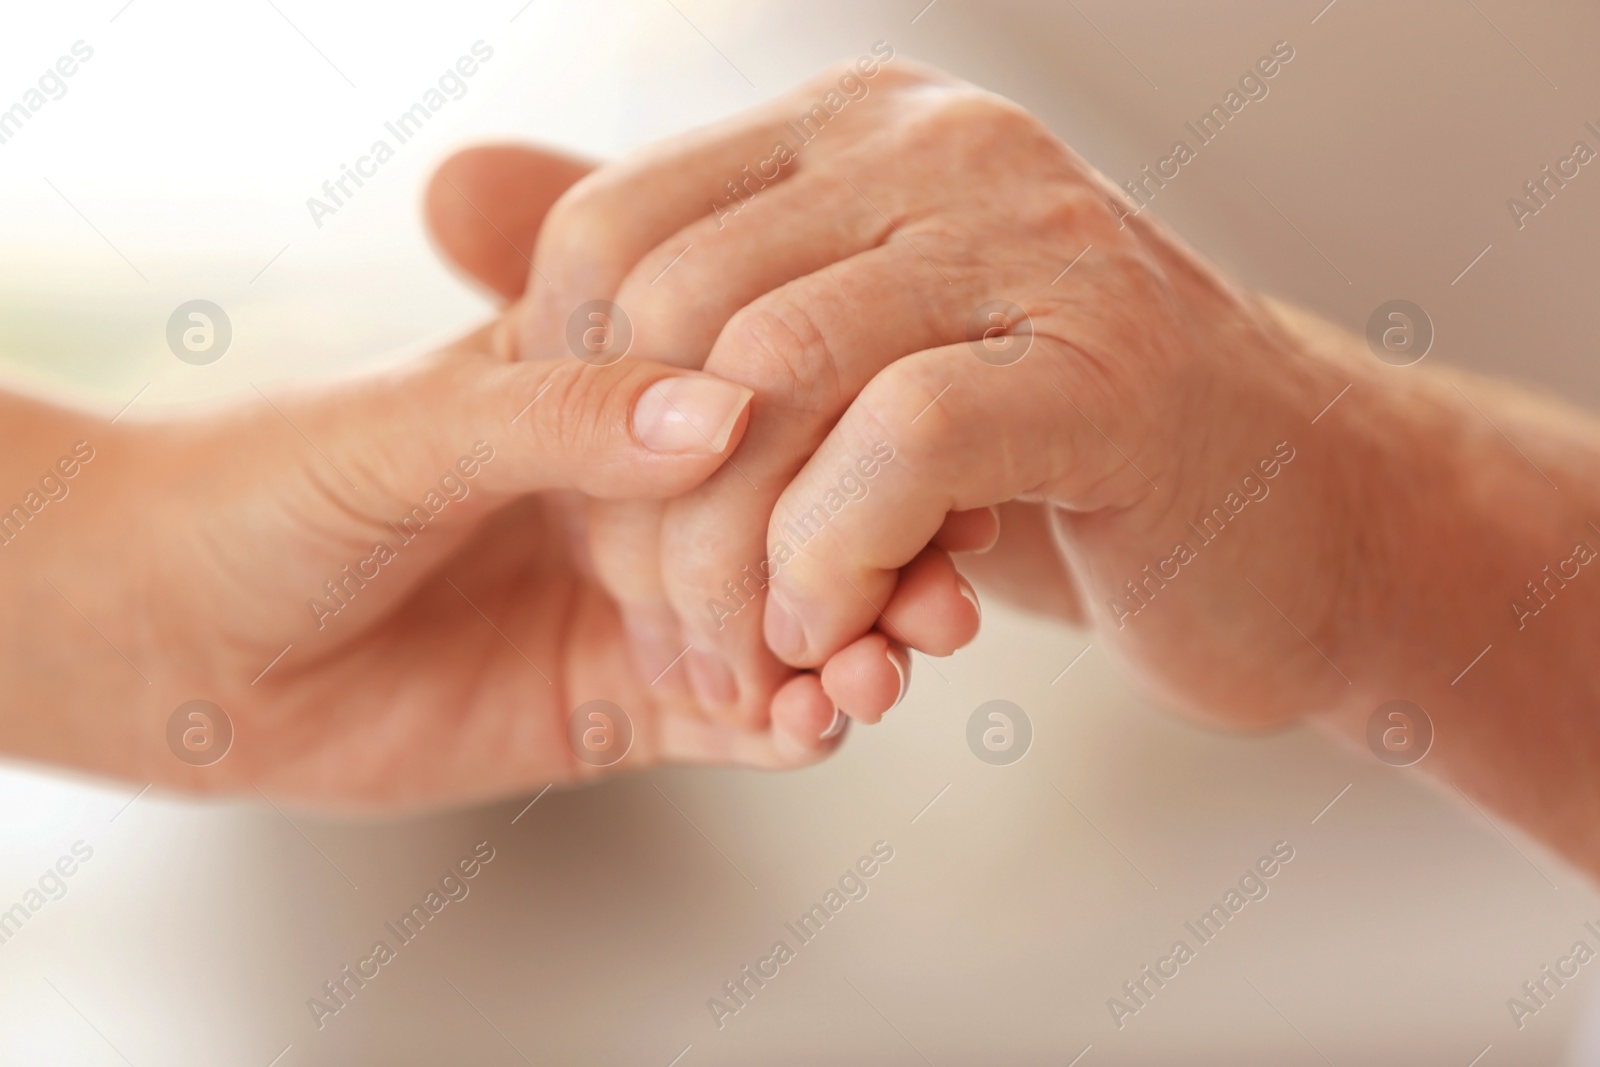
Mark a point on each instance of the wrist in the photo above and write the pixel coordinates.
(72, 696)
(1392, 489)
(1454, 521)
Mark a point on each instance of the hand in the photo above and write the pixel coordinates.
(236, 558)
(1259, 516)
(844, 286)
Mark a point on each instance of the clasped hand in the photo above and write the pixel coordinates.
(885, 322)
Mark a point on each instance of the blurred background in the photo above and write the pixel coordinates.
(176, 165)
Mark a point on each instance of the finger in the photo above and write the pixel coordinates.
(484, 207)
(461, 432)
(950, 433)
(1026, 567)
(624, 549)
(969, 531)
(933, 609)
(612, 219)
(624, 543)
(604, 224)
(683, 292)
(801, 714)
(804, 719)
(867, 678)
(846, 191)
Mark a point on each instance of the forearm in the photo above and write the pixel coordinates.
(1475, 588)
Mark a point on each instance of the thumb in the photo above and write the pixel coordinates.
(484, 207)
(466, 423)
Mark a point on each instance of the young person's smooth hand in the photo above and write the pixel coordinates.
(377, 581)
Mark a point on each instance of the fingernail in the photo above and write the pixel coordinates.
(784, 634)
(905, 676)
(964, 587)
(836, 727)
(689, 414)
(711, 679)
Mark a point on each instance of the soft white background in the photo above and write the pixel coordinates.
(194, 936)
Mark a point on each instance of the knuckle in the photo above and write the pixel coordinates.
(776, 347)
(968, 120)
(1080, 209)
(678, 319)
(834, 74)
(904, 406)
(988, 140)
(567, 414)
(581, 226)
(911, 74)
